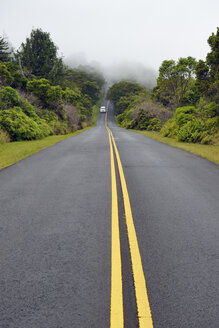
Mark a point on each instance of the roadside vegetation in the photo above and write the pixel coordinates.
(39, 95)
(42, 101)
(183, 106)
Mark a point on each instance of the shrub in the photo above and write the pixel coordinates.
(209, 110)
(169, 129)
(71, 96)
(57, 126)
(184, 114)
(39, 88)
(198, 130)
(28, 109)
(5, 76)
(9, 98)
(155, 124)
(21, 127)
(54, 94)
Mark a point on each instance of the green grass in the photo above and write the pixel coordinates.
(211, 152)
(13, 152)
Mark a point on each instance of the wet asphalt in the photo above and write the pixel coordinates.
(55, 233)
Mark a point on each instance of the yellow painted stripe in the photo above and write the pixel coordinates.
(143, 307)
(116, 312)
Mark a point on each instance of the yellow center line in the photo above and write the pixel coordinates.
(116, 313)
(143, 307)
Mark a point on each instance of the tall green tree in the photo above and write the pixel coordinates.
(5, 51)
(39, 56)
(174, 81)
(207, 72)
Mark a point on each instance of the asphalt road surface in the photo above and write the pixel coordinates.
(55, 233)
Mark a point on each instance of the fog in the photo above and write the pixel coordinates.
(124, 38)
(124, 70)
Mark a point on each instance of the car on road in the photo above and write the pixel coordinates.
(102, 109)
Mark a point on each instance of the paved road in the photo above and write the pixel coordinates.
(55, 234)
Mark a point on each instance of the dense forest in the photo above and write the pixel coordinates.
(184, 104)
(39, 95)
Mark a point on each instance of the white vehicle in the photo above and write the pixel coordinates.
(102, 109)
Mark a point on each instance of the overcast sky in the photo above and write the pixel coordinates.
(111, 31)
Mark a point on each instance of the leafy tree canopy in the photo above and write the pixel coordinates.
(123, 89)
(207, 72)
(174, 81)
(39, 55)
(5, 52)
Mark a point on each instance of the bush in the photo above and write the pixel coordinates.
(155, 125)
(169, 129)
(71, 96)
(9, 98)
(57, 126)
(21, 127)
(184, 114)
(28, 109)
(198, 130)
(209, 110)
(5, 76)
(54, 94)
(39, 88)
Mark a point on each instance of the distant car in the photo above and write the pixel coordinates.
(102, 109)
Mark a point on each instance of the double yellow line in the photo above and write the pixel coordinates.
(143, 307)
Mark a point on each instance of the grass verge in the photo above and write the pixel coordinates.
(211, 152)
(13, 152)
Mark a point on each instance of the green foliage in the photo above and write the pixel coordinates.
(21, 127)
(207, 73)
(54, 94)
(175, 83)
(83, 84)
(11, 76)
(40, 96)
(212, 58)
(184, 114)
(39, 55)
(39, 88)
(124, 89)
(169, 129)
(123, 103)
(48, 95)
(28, 109)
(202, 77)
(143, 120)
(198, 130)
(134, 107)
(9, 98)
(91, 89)
(191, 124)
(5, 76)
(5, 53)
(71, 96)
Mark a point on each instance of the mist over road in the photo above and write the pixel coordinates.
(55, 228)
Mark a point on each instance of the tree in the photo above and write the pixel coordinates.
(91, 89)
(124, 89)
(212, 58)
(207, 72)
(39, 56)
(4, 50)
(174, 81)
